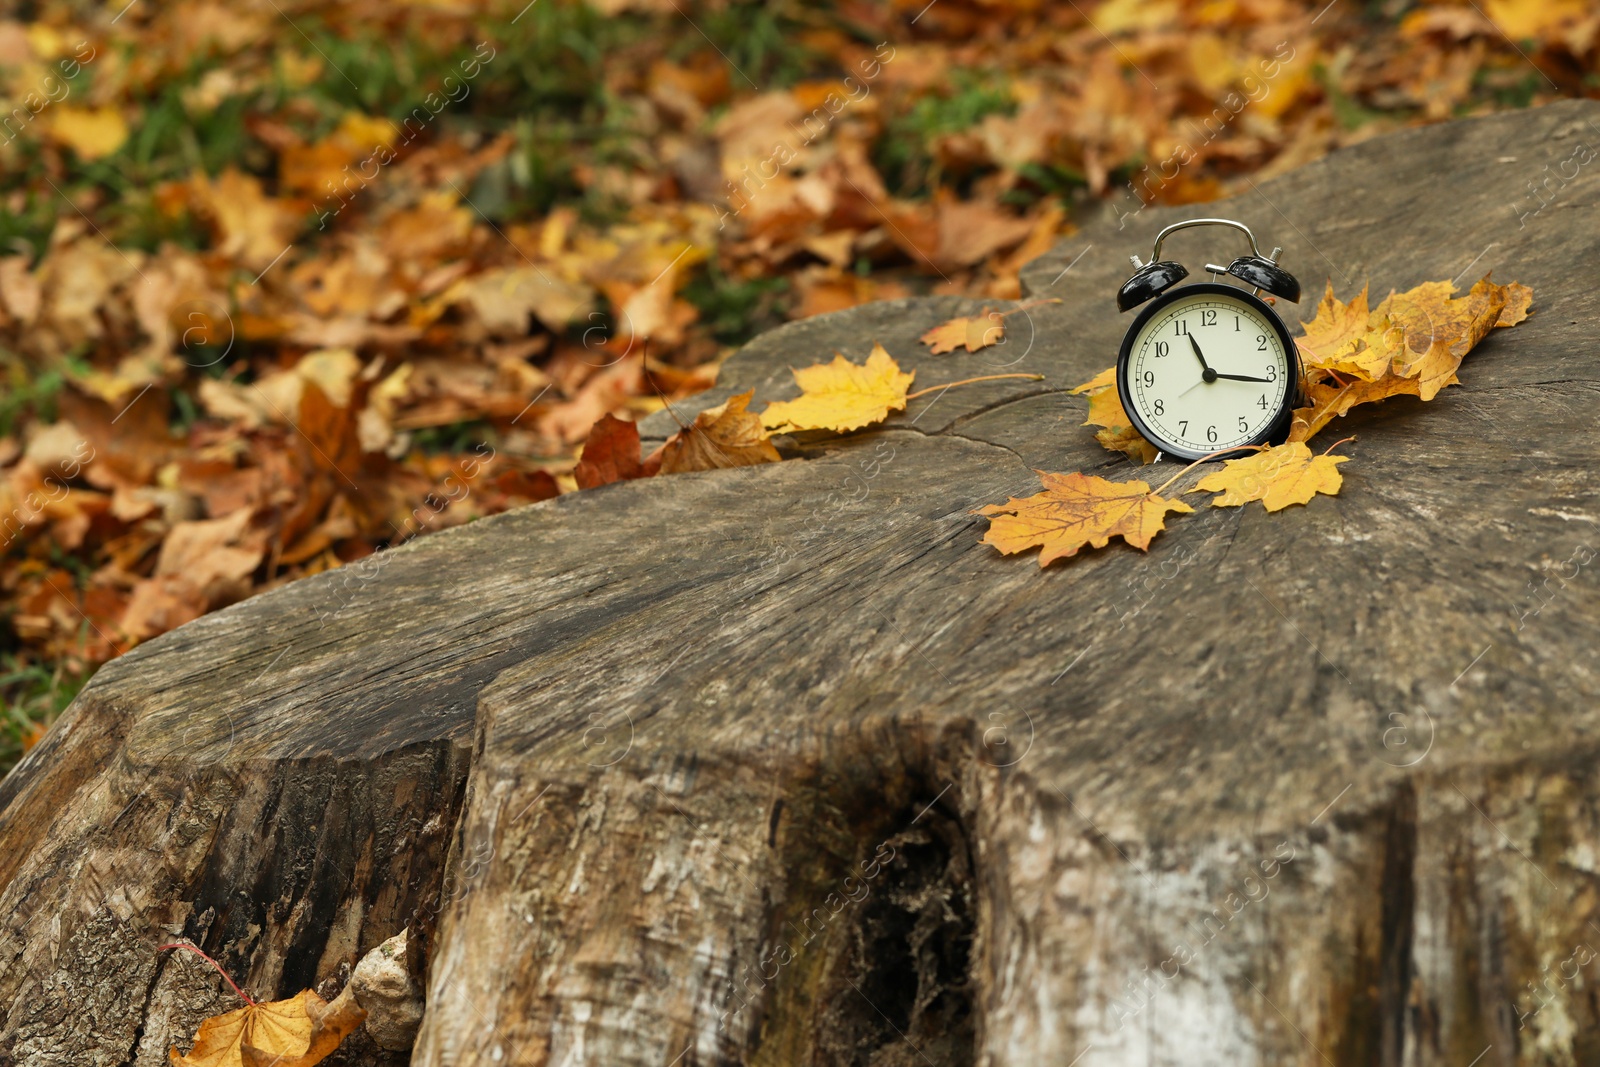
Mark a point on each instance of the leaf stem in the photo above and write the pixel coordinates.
(1025, 307)
(181, 944)
(1206, 459)
(969, 381)
(1336, 444)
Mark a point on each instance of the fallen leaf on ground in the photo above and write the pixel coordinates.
(1076, 510)
(611, 454)
(723, 436)
(93, 133)
(298, 1032)
(842, 395)
(1280, 476)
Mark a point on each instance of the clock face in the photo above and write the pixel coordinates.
(1206, 368)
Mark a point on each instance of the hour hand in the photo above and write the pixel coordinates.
(1244, 378)
(1199, 354)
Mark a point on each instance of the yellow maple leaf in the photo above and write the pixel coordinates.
(720, 437)
(1098, 384)
(1329, 400)
(1105, 410)
(1279, 476)
(93, 133)
(1411, 344)
(1127, 440)
(298, 1032)
(1336, 332)
(1076, 510)
(842, 395)
(978, 331)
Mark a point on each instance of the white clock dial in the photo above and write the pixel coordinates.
(1208, 372)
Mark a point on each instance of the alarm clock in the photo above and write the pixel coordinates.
(1208, 367)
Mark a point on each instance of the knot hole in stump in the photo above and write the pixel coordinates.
(880, 947)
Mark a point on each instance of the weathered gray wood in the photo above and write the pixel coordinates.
(659, 724)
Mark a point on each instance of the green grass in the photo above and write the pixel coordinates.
(736, 310)
(904, 154)
(34, 695)
(30, 394)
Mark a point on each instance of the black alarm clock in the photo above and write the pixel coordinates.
(1207, 367)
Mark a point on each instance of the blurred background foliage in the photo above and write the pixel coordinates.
(271, 272)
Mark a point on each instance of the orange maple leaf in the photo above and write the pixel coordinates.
(978, 331)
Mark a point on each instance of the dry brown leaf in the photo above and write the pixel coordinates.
(611, 454)
(1278, 477)
(842, 395)
(251, 226)
(1076, 510)
(723, 436)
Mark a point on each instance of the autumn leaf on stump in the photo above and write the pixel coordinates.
(1328, 401)
(1278, 477)
(723, 436)
(842, 395)
(611, 454)
(1076, 510)
(1411, 344)
(1105, 410)
(972, 333)
(978, 331)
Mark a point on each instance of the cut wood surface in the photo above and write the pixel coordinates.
(779, 765)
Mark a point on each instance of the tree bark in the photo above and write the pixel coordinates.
(779, 765)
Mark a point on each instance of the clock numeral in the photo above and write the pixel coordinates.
(1181, 326)
(1211, 434)
(1236, 324)
(1162, 349)
(1149, 377)
(1183, 426)
(1208, 318)
(1244, 426)
(1261, 342)
(1262, 403)
(1160, 408)
(1272, 372)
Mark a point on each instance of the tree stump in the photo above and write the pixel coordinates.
(779, 765)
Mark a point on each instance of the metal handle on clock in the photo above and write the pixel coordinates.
(1176, 226)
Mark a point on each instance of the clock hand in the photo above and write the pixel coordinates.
(1199, 354)
(1244, 378)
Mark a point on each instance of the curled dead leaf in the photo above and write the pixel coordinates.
(724, 436)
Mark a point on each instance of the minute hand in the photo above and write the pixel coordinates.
(1244, 378)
